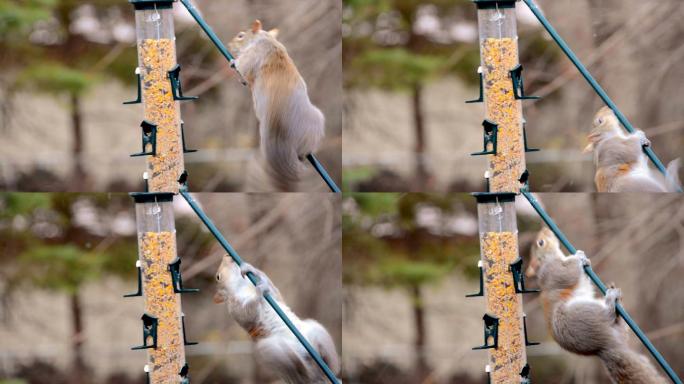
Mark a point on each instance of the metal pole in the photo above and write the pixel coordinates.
(210, 32)
(213, 37)
(224, 51)
(602, 287)
(323, 173)
(254, 279)
(592, 82)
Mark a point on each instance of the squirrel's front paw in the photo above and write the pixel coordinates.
(263, 287)
(583, 258)
(262, 284)
(246, 268)
(613, 296)
(643, 140)
(613, 293)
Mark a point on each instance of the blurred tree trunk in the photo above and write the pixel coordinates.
(415, 44)
(421, 364)
(78, 171)
(79, 369)
(421, 172)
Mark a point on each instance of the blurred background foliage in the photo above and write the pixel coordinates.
(383, 49)
(47, 50)
(58, 243)
(399, 241)
(383, 34)
(62, 242)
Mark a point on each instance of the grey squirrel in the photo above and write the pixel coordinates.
(276, 347)
(621, 165)
(580, 322)
(290, 126)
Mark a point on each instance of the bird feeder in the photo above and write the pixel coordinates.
(499, 251)
(500, 73)
(157, 252)
(159, 86)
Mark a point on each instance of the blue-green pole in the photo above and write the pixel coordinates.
(597, 280)
(324, 174)
(254, 279)
(224, 51)
(590, 79)
(212, 36)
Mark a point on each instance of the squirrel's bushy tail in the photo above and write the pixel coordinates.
(282, 164)
(626, 366)
(324, 344)
(672, 176)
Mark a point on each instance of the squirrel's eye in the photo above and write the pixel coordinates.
(599, 121)
(241, 35)
(541, 242)
(218, 277)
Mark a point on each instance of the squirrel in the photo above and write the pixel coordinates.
(290, 126)
(621, 165)
(580, 322)
(277, 349)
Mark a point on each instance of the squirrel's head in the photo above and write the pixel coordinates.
(545, 245)
(227, 277)
(605, 122)
(248, 37)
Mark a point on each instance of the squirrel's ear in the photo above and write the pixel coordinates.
(256, 26)
(274, 33)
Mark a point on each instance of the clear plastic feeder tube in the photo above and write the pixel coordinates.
(499, 55)
(156, 249)
(499, 249)
(156, 57)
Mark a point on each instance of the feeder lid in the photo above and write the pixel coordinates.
(489, 4)
(493, 197)
(151, 197)
(151, 4)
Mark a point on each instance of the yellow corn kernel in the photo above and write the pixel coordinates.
(499, 250)
(499, 56)
(157, 58)
(157, 250)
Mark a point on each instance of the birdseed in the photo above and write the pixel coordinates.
(157, 250)
(499, 56)
(157, 57)
(499, 250)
